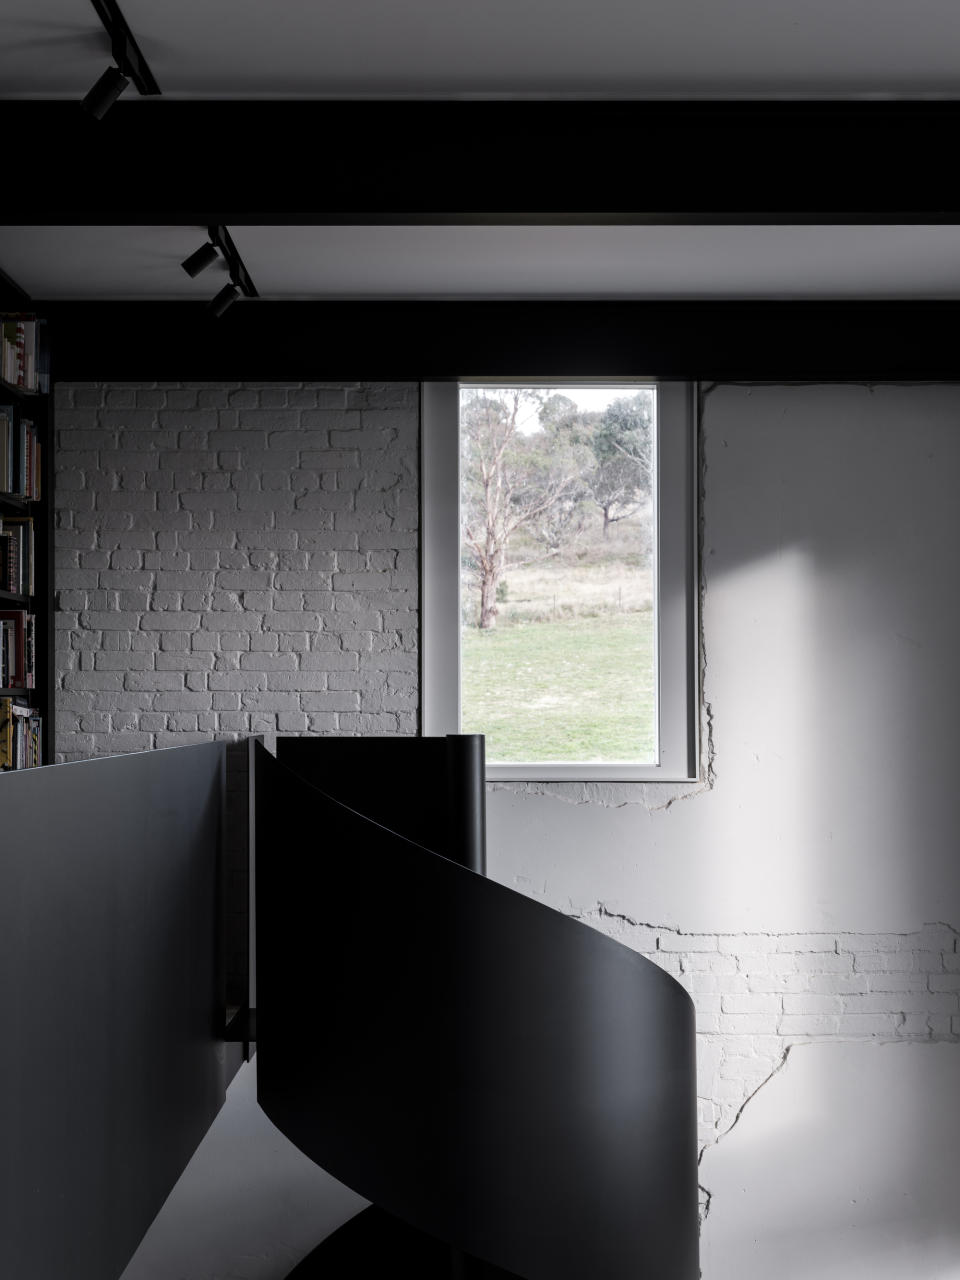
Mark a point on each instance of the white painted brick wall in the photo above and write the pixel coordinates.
(235, 559)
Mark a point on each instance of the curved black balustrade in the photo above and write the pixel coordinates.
(481, 1067)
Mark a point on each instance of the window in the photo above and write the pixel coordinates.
(559, 587)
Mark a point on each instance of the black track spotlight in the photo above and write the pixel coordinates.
(105, 93)
(227, 295)
(204, 257)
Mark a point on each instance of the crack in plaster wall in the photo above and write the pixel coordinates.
(707, 748)
(706, 1194)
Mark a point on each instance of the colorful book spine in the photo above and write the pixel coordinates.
(19, 574)
(21, 734)
(20, 456)
(21, 357)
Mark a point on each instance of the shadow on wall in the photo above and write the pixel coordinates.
(842, 1167)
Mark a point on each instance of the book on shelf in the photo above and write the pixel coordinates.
(29, 445)
(6, 447)
(17, 555)
(20, 455)
(21, 735)
(18, 649)
(20, 353)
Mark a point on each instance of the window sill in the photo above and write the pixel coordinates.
(550, 771)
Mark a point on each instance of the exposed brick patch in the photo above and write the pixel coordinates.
(756, 994)
(235, 559)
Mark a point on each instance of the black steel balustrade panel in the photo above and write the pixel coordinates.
(428, 789)
(483, 1068)
(112, 1067)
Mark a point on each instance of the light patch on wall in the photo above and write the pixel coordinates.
(842, 1168)
(772, 705)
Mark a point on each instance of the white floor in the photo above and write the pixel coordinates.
(249, 1205)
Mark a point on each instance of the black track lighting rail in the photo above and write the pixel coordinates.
(221, 238)
(126, 52)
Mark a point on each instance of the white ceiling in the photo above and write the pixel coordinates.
(512, 48)
(505, 49)
(562, 262)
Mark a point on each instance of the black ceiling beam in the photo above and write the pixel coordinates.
(408, 341)
(462, 162)
(123, 45)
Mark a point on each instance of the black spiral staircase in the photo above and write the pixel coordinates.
(513, 1091)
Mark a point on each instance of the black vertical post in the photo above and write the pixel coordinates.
(467, 844)
(44, 570)
(251, 949)
(466, 810)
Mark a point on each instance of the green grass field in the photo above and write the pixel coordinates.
(578, 688)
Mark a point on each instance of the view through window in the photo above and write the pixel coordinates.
(558, 560)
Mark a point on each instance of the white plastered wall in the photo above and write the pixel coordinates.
(830, 621)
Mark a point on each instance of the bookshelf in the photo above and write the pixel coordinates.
(26, 543)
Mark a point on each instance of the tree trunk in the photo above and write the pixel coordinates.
(489, 579)
(607, 522)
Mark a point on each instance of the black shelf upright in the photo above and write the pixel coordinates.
(37, 407)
